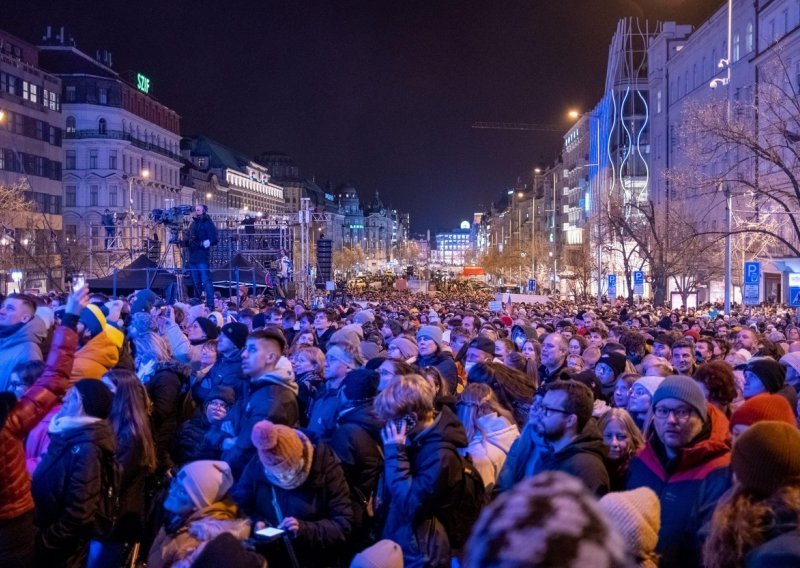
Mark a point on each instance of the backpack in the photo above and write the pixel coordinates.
(468, 500)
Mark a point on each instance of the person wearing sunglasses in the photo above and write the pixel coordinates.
(685, 461)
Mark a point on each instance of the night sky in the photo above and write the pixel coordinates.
(380, 94)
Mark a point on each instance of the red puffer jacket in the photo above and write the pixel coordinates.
(15, 482)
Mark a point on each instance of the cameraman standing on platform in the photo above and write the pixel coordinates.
(202, 236)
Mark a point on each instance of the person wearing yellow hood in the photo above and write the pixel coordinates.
(100, 345)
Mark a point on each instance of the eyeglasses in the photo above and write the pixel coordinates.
(217, 404)
(548, 410)
(662, 412)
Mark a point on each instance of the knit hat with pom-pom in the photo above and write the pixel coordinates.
(284, 452)
(636, 515)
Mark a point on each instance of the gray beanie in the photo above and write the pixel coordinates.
(432, 331)
(685, 389)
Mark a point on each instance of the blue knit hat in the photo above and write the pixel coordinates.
(93, 319)
(685, 389)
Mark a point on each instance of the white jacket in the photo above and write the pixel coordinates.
(489, 455)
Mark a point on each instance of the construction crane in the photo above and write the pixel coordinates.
(517, 126)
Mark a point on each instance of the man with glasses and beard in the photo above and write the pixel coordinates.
(573, 443)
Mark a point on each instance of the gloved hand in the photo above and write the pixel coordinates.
(206, 243)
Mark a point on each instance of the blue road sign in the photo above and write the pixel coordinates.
(532, 285)
(612, 285)
(752, 272)
(638, 282)
(794, 296)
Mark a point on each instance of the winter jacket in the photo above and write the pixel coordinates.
(688, 487)
(421, 479)
(227, 372)
(164, 387)
(311, 385)
(198, 439)
(322, 421)
(20, 344)
(182, 547)
(182, 349)
(46, 392)
(325, 337)
(66, 488)
(272, 397)
(321, 504)
(522, 457)
(201, 229)
(38, 440)
(132, 496)
(356, 442)
(443, 361)
(94, 359)
(489, 454)
(583, 458)
(545, 378)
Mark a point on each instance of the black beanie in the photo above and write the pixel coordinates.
(223, 393)
(615, 361)
(361, 384)
(769, 372)
(483, 343)
(665, 323)
(236, 332)
(96, 397)
(209, 327)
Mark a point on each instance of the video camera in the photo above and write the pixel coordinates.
(173, 219)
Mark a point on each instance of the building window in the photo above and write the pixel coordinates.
(70, 160)
(70, 125)
(26, 90)
(102, 127)
(92, 159)
(112, 196)
(70, 193)
(94, 190)
(112, 160)
(748, 37)
(34, 93)
(736, 47)
(70, 93)
(102, 96)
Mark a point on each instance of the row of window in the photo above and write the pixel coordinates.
(29, 164)
(130, 165)
(31, 92)
(45, 203)
(30, 127)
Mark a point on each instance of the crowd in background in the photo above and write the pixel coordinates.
(398, 430)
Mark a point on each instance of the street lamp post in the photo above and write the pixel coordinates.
(142, 177)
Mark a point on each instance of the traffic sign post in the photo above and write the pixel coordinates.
(638, 283)
(794, 296)
(612, 286)
(752, 283)
(532, 285)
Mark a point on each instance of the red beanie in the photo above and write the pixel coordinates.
(763, 407)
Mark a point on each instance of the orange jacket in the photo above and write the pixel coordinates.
(94, 359)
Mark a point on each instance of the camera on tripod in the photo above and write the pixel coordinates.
(173, 219)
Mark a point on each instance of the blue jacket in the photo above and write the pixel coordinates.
(688, 488)
(524, 449)
(443, 361)
(420, 480)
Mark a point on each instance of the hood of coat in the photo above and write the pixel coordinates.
(96, 432)
(590, 440)
(446, 429)
(34, 331)
(182, 370)
(278, 376)
(100, 349)
(362, 414)
(499, 431)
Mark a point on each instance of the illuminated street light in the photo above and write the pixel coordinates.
(574, 114)
(208, 195)
(2, 115)
(145, 173)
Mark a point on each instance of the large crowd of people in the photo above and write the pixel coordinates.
(397, 430)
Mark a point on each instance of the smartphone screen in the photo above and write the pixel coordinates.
(78, 282)
(270, 532)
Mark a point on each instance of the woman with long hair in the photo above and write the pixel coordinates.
(491, 431)
(513, 389)
(756, 522)
(136, 456)
(622, 439)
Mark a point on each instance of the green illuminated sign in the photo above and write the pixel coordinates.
(143, 83)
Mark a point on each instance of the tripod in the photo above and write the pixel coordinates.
(171, 262)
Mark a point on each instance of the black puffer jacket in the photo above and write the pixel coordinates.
(198, 439)
(421, 479)
(444, 362)
(357, 443)
(226, 372)
(66, 490)
(164, 387)
(201, 229)
(321, 504)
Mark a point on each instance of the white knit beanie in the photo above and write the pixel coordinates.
(636, 515)
(205, 481)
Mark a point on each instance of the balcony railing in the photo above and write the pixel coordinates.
(120, 135)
